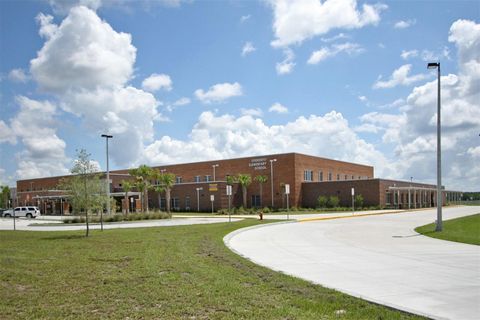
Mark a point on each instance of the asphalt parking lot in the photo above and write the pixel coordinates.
(378, 258)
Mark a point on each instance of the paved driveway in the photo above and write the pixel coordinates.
(35, 225)
(377, 258)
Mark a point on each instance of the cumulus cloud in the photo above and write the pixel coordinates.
(254, 112)
(82, 53)
(219, 92)
(7, 134)
(87, 65)
(287, 65)
(328, 52)
(156, 82)
(225, 136)
(245, 18)
(412, 132)
(317, 18)
(404, 24)
(278, 108)
(18, 75)
(400, 77)
(64, 6)
(247, 48)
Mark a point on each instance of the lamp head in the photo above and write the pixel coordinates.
(106, 136)
(433, 65)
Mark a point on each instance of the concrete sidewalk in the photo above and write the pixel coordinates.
(378, 258)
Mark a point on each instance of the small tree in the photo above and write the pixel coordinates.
(86, 191)
(142, 175)
(127, 187)
(245, 180)
(166, 182)
(261, 180)
(333, 201)
(358, 201)
(4, 196)
(322, 202)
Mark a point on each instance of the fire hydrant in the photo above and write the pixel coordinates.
(261, 215)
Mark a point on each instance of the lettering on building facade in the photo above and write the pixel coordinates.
(258, 164)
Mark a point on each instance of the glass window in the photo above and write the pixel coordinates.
(308, 175)
(320, 176)
(178, 180)
(197, 178)
(346, 177)
(338, 176)
(208, 178)
(329, 176)
(187, 202)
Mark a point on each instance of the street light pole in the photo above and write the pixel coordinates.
(436, 65)
(271, 177)
(214, 166)
(106, 136)
(198, 199)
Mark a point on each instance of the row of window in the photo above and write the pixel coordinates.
(308, 176)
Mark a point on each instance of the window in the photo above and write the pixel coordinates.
(346, 177)
(187, 202)
(208, 178)
(320, 176)
(329, 176)
(338, 176)
(359, 177)
(197, 178)
(353, 177)
(256, 201)
(162, 203)
(178, 180)
(174, 203)
(308, 175)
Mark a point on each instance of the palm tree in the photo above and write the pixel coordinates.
(261, 180)
(245, 180)
(166, 182)
(127, 187)
(142, 175)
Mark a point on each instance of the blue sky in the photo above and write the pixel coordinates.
(182, 81)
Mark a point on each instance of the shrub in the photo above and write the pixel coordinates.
(266, 210)
(333, 202)
(358, 201)
(322, 201)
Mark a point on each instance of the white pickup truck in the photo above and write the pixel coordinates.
(28, 212)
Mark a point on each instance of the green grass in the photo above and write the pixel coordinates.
(465, 230)
(183, 272)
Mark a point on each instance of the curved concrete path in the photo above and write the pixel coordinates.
(377, 258)
(35, 225)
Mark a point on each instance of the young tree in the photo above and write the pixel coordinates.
(322, 202)
(86, 191)
(4, 196)
(358, 201)
(142, 175)
(166, 182)
(333, 201)
(261, 180)
(127, 186)
(245, 180)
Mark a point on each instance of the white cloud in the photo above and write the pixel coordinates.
(409, 54)
(257, 112)
(84, 52)
(299, 20)
(336, 37)
(219, 92)
(6, 133)
(18, 75)
(362, 98)
(247, 48)
(245, 18)
(182, 101)
(403, 24)
(64, 6)
(400, 77)
(287, 65)
(278, 108)
(328, 52)
(156, 82)
(44, 153)
(225, 136)
(412, 132)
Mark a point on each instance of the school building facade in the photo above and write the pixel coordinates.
(292, 178)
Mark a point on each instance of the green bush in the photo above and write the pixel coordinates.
(358, 201)
(333, 202)
(155, 215)
(266, 210)
(322, 202)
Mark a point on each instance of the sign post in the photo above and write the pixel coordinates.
(229, 194)
(353, 201)
(212, 198)
(287, 192)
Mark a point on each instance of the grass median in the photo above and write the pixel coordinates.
(464, 229)
(183, 272)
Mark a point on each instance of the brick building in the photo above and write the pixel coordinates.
(307, 177)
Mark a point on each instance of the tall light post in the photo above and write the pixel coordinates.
(436, 65)
(198, 198)
(106, 136)
(271, 176)
(214, 166)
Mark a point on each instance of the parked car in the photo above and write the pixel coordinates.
(28, 212)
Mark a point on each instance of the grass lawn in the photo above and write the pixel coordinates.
(465, 229)
(183, 272)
